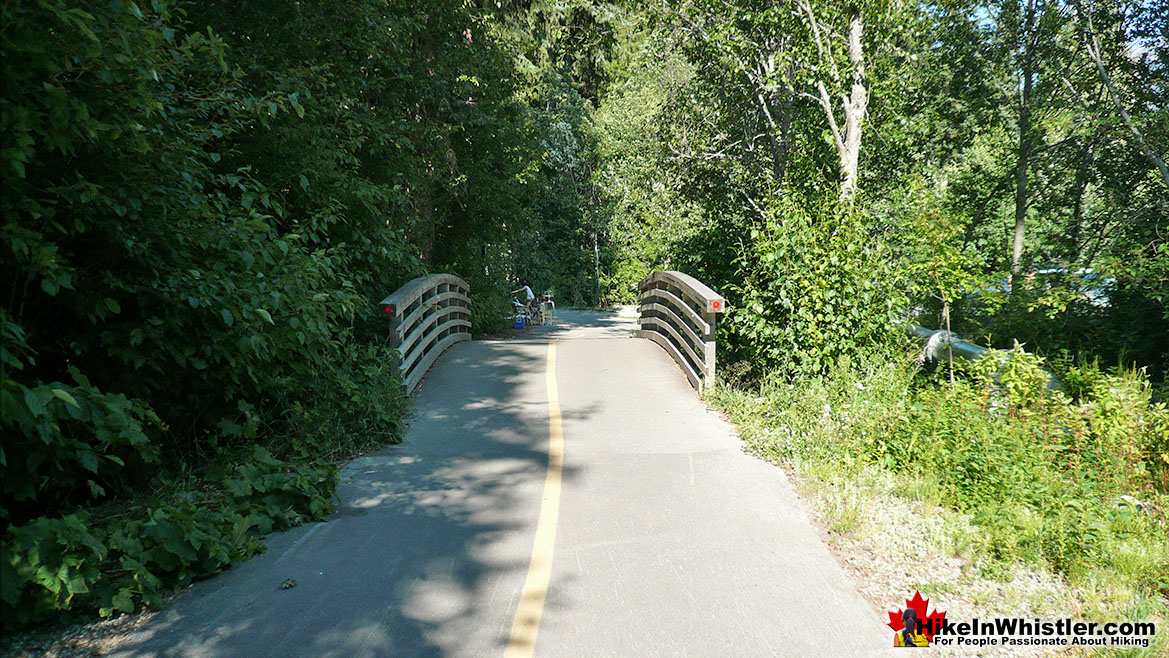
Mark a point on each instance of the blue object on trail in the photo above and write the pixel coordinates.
(519, 322)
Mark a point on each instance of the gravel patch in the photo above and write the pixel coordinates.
(897, 546)
(86, 639)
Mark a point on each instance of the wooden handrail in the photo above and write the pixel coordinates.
(679, 313)
(427, 316)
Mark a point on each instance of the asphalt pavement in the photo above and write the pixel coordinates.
(648, 533)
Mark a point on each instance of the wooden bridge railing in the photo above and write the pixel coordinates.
(428, 315)
(679, 313)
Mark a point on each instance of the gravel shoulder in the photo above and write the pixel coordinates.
(891, 544)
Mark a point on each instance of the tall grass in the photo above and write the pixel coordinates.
(1076, 484)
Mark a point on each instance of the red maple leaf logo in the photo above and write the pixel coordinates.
(930, 623)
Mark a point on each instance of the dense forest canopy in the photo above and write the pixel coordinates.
(203, 202)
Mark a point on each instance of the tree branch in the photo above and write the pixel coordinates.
(822, 49)
(826, 103)
(755, 206)
(1093, 48)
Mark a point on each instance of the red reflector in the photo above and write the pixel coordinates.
(389, 309)
(717, 304)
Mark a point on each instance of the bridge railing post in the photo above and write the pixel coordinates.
(709, 340)
(427, 316)
(680, 314)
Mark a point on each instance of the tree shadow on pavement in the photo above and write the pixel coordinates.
(428, 550)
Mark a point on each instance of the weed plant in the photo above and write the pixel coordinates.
(111, 545)
(114, 558)
(1074, 483)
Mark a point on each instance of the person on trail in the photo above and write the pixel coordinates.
(529, 297)
(909, 636)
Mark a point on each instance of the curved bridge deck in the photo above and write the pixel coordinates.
(669, 540)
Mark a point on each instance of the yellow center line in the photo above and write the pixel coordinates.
(526, 625)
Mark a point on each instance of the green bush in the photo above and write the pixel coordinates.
(815, 288)
(111, 564)
(69, 443)
(201, 207)
(1064, 316)
(1078, 485)
(621, 284)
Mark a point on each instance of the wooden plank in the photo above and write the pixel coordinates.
(418, 336)
(711, 301)
(695, 361)
(691, 313)
(415, 378)
(695, 341)
(681, 303)
(416, 288)
(409, 360)
(665, 343)
(708, 351)
(408, 331)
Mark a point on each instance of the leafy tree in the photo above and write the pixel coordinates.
(202, 202)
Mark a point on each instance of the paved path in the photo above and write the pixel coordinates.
(669, 541)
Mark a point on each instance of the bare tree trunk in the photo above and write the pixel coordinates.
(855, 107)
(1077, 226)
(780, 120)
(776, 133)
(425, 235)
(1024, 144)
(775, 110)
(1021, 187)
(774, 105)
(1077, 220)
(597, 265)
(785, 131)
(848, 145)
